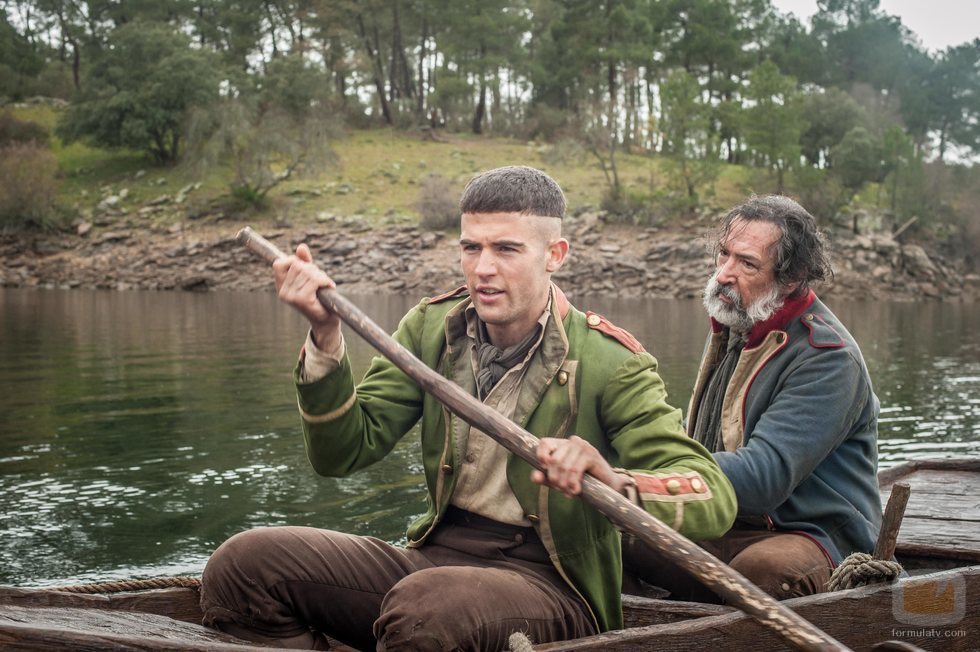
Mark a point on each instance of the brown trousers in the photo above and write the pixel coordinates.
(472, 584)
(783, 564)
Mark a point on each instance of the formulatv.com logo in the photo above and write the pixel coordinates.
(930, 602)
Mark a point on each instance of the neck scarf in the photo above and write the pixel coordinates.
(707, 428)
(492, 362)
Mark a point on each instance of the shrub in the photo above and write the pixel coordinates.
(547, 123)
(821, 193)
(565, 152)
(271, 129)
(29, 189)
(13, 130)
(631, 207)
(437, 204)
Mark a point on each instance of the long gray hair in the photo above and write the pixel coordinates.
(801, 255)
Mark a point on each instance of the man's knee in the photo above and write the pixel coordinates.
(787, 566)
(449, 608)
(229, 585)
(419, 613)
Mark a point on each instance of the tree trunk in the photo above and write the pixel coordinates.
(394, 81)
(420, 99)
(379, 80)
(481, 106)
(76, 65)
(404, 67)
(942, 140)
(272, 30)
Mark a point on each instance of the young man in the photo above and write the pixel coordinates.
(499, 548)
(784, 401)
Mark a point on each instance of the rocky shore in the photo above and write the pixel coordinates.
(121, 252)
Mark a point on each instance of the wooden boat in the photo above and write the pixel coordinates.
(936, 608)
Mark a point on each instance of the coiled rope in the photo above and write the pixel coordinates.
(132, 585)
(861, 569)
(519, 642)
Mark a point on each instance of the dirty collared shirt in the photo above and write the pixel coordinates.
(482, 487)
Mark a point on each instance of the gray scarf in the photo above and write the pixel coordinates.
(492, 362)
(707, 428)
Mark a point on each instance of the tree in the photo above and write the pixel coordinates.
(861, 43)
(19, 61)
(795, 51)
(956, 98)
(775, 120)
(687, 139)
(897, 155)
(481, 38)
(269, 128)
(829, 115)
(857, 160)
(140, 91)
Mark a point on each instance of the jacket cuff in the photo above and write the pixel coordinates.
(315, 363)
(327, 398)
(630, 490)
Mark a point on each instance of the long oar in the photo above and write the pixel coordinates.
(625, 515)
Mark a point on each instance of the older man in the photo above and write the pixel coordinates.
(498, 549)
(784, 401)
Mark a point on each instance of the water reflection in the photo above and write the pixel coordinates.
(141, 429)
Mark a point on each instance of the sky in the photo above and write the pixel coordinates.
(937, 23)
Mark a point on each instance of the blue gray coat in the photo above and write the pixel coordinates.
(799, 423)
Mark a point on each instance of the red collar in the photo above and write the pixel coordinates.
(792, 307)
(561, 300)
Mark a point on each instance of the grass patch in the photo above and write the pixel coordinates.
(379, 175)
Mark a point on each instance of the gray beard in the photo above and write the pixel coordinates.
(738, 318)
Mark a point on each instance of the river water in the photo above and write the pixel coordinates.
(138, 430)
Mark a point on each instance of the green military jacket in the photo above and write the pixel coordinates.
(599, 384)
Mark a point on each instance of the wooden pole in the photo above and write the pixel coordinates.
(891, 521)
(625, 515)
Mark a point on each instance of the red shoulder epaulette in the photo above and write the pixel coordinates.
(603, 325)
(448, 295)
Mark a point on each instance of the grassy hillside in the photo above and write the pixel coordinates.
(377, 174)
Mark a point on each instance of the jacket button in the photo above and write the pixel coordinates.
(562, 377)
(534, 518)
(698, 486)
(470, 457)
(673, 487)
(808, 317)
(594, 320)
(447, 469)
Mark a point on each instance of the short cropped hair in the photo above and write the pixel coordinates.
(801, 252)
(513, 189)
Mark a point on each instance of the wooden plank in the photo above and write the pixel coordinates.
(888, 476)
(952, 508)
(642, 612)
(69, 628)
(859, 618)
(938, 533)
(953, 483)
(177, 603)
